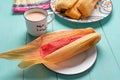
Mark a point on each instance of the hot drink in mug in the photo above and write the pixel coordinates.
(36, 21)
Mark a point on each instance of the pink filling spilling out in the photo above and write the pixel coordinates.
(55, 45)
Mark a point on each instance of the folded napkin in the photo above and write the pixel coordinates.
(23, 5)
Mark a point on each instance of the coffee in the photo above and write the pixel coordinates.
(35, 16)
(37, 20)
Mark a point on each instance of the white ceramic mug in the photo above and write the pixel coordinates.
(36, 21)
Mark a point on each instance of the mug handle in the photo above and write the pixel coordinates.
(52, 17)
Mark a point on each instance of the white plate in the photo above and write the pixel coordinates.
(77, 64)
(101, 11)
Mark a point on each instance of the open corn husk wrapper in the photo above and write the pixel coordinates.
(36, 52)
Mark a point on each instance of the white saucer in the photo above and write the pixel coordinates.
(77, 64)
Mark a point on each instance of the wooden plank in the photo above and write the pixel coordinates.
(105, 66)
(112, 31)
(111, 65)
(12, 35)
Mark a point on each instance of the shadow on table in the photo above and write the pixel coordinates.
(17, 13)
(106, 20)
(75, 76)
(30, 38)
(39, 72)
(83, 25)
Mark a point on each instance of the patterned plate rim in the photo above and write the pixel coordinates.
(100, 2)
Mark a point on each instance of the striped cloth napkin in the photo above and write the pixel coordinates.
(23, 5)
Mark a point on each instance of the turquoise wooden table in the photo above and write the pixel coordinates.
(13, 35)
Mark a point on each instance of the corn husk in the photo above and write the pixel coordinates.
(30, 55)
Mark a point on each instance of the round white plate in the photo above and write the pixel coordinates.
(77, 64)
(101, 11)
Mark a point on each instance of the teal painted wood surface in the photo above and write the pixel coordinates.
(13, 35)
